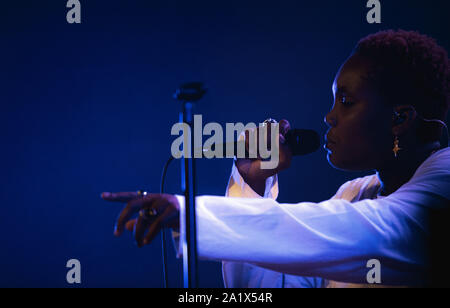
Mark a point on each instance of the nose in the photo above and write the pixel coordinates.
(330, 120)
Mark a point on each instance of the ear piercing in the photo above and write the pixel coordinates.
(396, 148)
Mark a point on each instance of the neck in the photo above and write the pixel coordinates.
(400, 170)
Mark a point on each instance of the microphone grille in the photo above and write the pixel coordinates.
(303, 141)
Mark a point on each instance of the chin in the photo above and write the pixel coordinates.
(332, 162)
(343, 165)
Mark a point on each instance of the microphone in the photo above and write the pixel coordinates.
(300, 141)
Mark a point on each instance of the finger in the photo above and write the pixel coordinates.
(246, 134)
(164, 207)
(122, 197)
(157, 202)
(265, 134)
(285, 126)
(155, 227)
(132, 208)
(247, 140)
(252, 143)
(130, 225)
(139, 230)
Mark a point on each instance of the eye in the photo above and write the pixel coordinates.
(345, 101)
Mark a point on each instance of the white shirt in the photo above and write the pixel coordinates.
(259, 238)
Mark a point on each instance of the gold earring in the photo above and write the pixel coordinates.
(396, 148)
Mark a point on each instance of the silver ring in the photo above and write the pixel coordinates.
(141, 193)
(148, 213)
(269, 120)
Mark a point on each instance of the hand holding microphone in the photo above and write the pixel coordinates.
(291, 142)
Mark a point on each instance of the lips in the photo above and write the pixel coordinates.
(328, 139)
(329, 143)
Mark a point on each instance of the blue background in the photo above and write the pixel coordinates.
(88, 107)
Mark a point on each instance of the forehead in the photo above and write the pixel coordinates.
(352, 77)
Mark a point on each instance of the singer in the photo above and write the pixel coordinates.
(391, 97)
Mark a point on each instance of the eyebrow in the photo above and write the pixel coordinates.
(343, 89)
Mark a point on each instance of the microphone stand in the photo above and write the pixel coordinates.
(187, 94)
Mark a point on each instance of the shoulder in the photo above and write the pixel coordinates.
(432, 176)
(439, 161)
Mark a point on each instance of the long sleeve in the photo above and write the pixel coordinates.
(245, 275)
(333, 239)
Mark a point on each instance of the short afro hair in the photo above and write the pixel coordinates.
(410, 68)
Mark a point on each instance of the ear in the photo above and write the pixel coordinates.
(403, 118)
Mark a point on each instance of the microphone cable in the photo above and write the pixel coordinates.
(164, 230)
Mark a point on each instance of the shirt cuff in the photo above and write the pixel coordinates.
(178, 237)
(237, 187)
